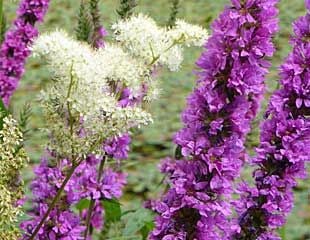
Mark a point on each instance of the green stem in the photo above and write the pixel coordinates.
(175, 42)
(55, 200)
(68, 102)
(92, 203)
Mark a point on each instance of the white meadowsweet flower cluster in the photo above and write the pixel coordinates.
(12, 155)
(121, 66)
(81, 108)
(63, 53)
(190, 35)
(142, 37)
(110, 65)
(12, 159)
(82, 105)
(8, 215)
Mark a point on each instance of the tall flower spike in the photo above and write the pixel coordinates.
(126, 8)
(14, 50)
(211, 148)
(175, 5)
(63, 222)
(283, 152)
(12, 159)
(83, 28)
(98, 31)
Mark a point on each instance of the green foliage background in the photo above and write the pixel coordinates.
(154, 142)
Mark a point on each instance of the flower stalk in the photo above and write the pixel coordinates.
(282, 154)
(217, 118)
(15, 47)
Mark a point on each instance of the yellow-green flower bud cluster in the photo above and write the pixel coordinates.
(12, 159)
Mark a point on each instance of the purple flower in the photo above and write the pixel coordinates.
(101, 33)
(283, 151)
(14, 50)
(307, 4)
(118, 147)
(63, 223)
(216, 120)
(84, 184)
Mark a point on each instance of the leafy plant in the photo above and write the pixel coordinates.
(126, 8)
(174, 12)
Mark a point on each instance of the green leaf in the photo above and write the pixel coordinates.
(126, 8)
(3, 112)
(24, 118)
(83, 204)
(83, 29)
(2, 106)
(138, 220)
(148, 227)
(282, 233)
(178, 152)
(174, 12)
(112, 210)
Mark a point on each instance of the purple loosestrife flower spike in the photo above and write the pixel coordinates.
(216, 121)
(283, 150)
(63, 223)
(15, 48)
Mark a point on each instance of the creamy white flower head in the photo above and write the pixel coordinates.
(81, 105)
(121, 67)
(110, 65)
(193, 35)
(141, 36)
(153, 91)
(63, 53)
(11, 160)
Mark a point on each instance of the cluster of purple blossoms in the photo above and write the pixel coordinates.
(217, 118)
(283, 150)
(118, 147)
(15, 48)
(63, 222)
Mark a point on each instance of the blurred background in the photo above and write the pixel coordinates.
(154, 142)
